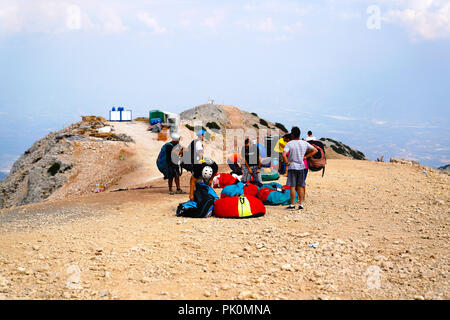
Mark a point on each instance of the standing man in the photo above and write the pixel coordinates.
(310, 136)
(252, 163)
(279, 147)
(298, 150)
(173, 153)
(194, 153)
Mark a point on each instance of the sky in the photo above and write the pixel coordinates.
(372, 74)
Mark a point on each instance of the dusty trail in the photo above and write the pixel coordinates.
(147, 148)
(382, 233)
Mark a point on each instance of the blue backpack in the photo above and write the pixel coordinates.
(271, 185)
(232, 190)
(203, 204)
(162, 162)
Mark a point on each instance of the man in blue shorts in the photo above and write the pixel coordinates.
(294, 154)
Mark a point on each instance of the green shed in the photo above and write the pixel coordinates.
(156, 114)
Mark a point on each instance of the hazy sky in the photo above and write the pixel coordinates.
(373, 74)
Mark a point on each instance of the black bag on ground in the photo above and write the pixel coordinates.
(202, 206)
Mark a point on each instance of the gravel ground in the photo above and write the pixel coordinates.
(369, 231)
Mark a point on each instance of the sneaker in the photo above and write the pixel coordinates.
(179, 191)
(171, 192)
(300, 207)
(290, 207)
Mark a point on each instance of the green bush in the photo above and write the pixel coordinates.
(264, 122)
(281, 127)
(256, 126)
(254, 114)
(54, 168)
(190, 127)
(213, 125)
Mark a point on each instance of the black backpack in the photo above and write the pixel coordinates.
(202, 206)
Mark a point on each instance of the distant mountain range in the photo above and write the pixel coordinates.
(445, 168)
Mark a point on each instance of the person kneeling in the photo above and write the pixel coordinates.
(202, 172)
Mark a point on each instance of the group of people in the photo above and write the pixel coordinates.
(293, 152)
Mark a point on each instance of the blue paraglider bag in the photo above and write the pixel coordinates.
(232, 190)
(162, 162)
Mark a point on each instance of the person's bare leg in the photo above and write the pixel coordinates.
(292, 195)
(170, 184)
(301, 194)
(177, 182)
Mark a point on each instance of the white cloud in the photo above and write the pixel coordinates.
(263, 25)
(427, 19)
(150, 22)
(378, 122)
(112, 22)
(266, 25)
(293, 27)
(9, 17)
(340, 117)
(214, 20)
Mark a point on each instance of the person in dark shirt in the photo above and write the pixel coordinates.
(252, 162)
(173, 152)
(202, 172)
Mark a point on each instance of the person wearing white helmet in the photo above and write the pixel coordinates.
(202, 172)
(174, 151)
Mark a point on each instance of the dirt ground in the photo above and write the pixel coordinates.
(368, 231)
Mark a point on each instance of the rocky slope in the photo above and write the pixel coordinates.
(445, 168)
(58, 159)
(343, 149)
(219, 117)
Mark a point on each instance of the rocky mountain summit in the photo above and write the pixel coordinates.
(219, 117)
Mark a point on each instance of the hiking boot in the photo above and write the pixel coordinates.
(179, 191)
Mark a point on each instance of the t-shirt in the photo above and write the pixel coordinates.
(198, 150)
(310, 138)
(297, 150)
(280, 145)
(197, 172)
(251, 154)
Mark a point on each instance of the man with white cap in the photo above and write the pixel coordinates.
(174, 151)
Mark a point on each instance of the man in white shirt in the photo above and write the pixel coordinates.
(199, 145)
(294, 154)
(310, 136)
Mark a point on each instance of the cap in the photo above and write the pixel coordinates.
(201, 132)
(175, 136)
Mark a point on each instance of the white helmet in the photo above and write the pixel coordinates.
(175, 136)
(207, 173)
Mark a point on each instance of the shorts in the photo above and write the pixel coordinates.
(296, 178)
(173, 172)
(246, 176)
